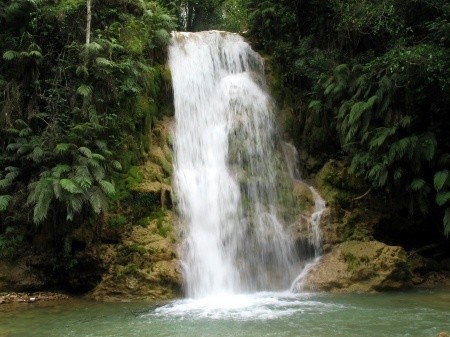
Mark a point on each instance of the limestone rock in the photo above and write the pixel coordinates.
(20, 276)
(355, 266)
(145, 265)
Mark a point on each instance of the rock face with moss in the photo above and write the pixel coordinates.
(143, 262)
(144, 265)
(354, 261)
(357, 266)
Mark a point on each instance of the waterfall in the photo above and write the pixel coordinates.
(226, 162)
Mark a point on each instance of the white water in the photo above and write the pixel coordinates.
(225, 168)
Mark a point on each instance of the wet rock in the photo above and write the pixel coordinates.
(356, 266)
(14, 297)
(145, 265)
(20, 275)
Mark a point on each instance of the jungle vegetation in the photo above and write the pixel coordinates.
(365, 81)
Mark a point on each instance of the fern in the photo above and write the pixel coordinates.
(41, 196)
(381, 134)
(97, 201)
(4, 183)
(101, 61)
(37, 154)
(70, 186)
(107, 187)
(59, 170)
(85, 90)
(85, 151)
(117, 165)
(10, 55)
(442, 197)
(4, 202)
(418, 184)
(84, 182)
(440, 179)
(446, 221)
(62, 148)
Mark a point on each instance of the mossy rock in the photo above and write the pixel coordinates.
(355, 266)
(145, 264)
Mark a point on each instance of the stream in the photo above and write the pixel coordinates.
(402, 314)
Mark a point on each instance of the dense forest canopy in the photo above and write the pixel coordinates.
(365, 81)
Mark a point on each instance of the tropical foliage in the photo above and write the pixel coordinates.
(375, 75)
(73, 114)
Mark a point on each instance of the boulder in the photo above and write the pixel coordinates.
(356, 266)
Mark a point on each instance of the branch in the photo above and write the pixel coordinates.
(362, 196)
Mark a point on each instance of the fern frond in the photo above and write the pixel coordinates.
(381, 134)
(42, 197)
(101, 61)
(107, 187)
(418, 184)
(440, 178)
(428, 146)
(25, 132)
(442, 198)
(60, 169)
(62, 148)
(70, 186)
(116, 165)
(4, 183)
(447, 222)
(4, 202)
(37, 154)
(85, 151)
(98, 173)
(84, 182)
(95, 200)
(10, 55)
(85, 90)
(98, 157)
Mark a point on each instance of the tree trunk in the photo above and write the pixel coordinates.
(88, 22)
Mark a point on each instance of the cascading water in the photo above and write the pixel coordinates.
(226, 168)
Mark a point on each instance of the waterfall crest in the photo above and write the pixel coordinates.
(226, 168)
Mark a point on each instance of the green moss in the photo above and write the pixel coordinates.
(117, 220)
(130, 269)
(134, 36)
(136, 248)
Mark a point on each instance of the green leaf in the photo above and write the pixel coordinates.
(62, 147)
(95, 199)
(442, 198)
(101, 61)
(10, 55)
(117, 165)
(440, 178)
(418, 184)
(4, 183)
(36, 54)
(37, 154)
(58, 170)
(84, 182)
(25, 132)
(70, 186)
(94, 47)
(82, 70)
(98, 157)
(447, 222)
(85, 151)
(85, 90)
(4, 202)
(315, 105)
(107, 187)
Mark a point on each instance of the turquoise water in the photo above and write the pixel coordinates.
(421, 314)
